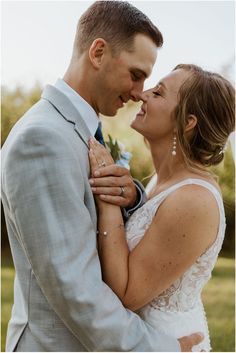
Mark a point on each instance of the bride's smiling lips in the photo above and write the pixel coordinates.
(142, 112)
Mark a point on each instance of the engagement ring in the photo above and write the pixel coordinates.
(122, 191)
(103, 164)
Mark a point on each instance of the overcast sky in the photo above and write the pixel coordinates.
(37, 37)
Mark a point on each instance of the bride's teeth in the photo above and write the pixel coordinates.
(141, 112)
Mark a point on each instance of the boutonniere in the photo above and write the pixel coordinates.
(118, 153)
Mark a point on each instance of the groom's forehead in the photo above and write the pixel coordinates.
(143, 56)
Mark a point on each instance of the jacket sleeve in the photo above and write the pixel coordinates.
(46, 190)
(140, 200)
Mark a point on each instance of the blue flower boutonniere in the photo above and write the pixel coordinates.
(118, 153)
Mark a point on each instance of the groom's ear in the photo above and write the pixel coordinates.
(96, 52)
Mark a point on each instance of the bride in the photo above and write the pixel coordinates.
(158, 263)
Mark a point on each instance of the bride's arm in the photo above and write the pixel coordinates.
(185, 225)
(113, 249)
(111, 233)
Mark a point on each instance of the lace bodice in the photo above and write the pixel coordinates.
(184, 294)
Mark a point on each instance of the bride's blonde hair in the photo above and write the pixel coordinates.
(211, 98)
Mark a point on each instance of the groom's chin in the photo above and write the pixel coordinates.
(110, 112)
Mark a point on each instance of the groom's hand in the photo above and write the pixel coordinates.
(187, 342)
(115, 185)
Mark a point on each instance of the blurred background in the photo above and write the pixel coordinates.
(37, 39)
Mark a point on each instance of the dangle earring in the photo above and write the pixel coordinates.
(174, 146)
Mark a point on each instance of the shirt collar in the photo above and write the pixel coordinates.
(87, 113)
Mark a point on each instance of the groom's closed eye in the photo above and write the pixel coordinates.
(138, 74)
(135, 77)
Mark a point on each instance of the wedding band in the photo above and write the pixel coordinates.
(122, 191)
(103, 164)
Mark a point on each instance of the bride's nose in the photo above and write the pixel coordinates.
(143, 96)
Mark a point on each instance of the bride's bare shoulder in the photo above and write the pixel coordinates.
(193, 197)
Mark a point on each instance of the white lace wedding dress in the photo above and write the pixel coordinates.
(179, 311)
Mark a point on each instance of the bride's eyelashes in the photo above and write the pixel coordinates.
(156, 93)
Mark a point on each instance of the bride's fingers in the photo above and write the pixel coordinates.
(93, 162)
(96, 146)
(96, 163)
(100, 152)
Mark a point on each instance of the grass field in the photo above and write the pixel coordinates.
(218, 297)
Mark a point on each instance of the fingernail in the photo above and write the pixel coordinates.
(93, 189)
(96, 173)
(91, 181)
(200, 334)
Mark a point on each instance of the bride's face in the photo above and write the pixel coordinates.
(155, 120)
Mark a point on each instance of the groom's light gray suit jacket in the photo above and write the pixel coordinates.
(60, 300)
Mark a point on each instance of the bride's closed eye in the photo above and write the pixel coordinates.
(156, 93)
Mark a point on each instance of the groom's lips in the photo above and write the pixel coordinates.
(120, 102)
(124, 100)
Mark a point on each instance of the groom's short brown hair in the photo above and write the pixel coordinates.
(117, 22)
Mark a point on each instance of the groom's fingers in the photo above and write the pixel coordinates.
(114, 170)
(108, 181)
(119, 191)
(115, 200)
(188, 342)
(113, 191)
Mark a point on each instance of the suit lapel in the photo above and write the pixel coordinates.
(66, 109)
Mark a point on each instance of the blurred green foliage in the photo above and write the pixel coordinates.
(17, 101)
(14, 104)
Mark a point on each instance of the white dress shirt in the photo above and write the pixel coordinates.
(87, 113)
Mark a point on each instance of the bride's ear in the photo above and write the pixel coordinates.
(191, 123)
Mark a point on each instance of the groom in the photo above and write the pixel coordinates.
(60, 300)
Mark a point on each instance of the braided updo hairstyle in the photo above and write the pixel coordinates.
(211, 98)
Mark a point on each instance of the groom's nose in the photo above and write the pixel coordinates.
(136, 91)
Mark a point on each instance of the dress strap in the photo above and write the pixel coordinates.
(190, 181)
